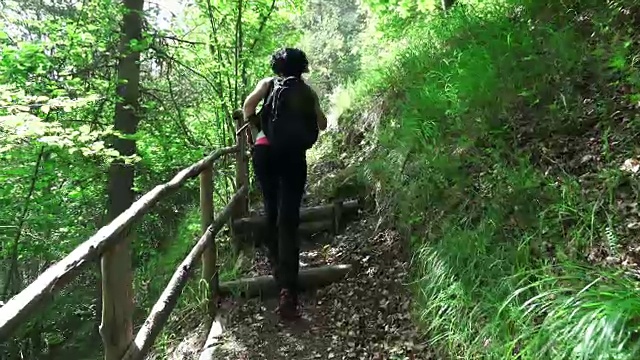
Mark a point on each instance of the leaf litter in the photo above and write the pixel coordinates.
(365, 316)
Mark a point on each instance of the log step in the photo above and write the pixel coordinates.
(319, 216)
(265, 286)
(309, 228)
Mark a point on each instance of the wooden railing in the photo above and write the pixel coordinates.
(119, 342)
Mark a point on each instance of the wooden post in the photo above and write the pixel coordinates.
(209, 257)
(242, 175)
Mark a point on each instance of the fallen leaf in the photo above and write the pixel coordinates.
(633, 226)
(631, 165)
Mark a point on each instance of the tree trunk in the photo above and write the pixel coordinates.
(447, 4)
(116, 328)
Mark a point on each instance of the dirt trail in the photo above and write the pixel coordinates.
(365, 316)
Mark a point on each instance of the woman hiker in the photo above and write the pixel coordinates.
(289, 122)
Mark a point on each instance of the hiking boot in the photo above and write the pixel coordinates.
(288, 307)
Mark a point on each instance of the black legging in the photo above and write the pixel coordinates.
(282, 177)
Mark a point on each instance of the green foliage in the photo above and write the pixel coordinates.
(331, 33)
(57, 100)
(475, 127)
(481, 120)
(598, 320)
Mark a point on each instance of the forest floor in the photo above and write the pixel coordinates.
(367, 315)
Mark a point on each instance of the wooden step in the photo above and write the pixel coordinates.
(265, 286)
(312, 219)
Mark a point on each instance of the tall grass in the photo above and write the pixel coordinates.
(500, 245)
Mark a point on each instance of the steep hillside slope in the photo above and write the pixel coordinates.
(501, 139)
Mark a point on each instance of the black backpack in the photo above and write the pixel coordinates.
(288, 115)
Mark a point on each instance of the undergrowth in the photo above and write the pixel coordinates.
(495, 135)
(157, 272)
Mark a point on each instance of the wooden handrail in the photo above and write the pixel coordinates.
(167, 301)
(40, 292)
(117, 276)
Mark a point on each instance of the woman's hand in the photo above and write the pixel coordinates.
(254, 120)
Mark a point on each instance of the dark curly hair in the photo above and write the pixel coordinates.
(289, 62)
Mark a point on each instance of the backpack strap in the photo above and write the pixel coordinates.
(286, 84)
(265, 111)
(270, 88)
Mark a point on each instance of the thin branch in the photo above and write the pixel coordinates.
(88, 122)
(25, 210)
(238, 53)
(213, 27)
(96, 117)
(176, 39)
(153, 89)
(262, 25)
(190, 140)
(164, 54)
(153, 96)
